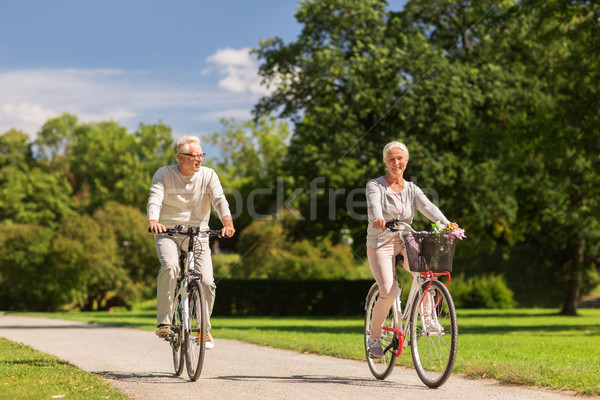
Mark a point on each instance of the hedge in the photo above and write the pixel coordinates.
(270, 297)
(278, 297)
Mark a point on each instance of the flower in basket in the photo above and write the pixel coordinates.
(450, 231)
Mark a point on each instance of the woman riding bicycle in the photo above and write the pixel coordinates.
(391, 197)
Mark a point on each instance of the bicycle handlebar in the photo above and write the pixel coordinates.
(190, 231)
(392, 225)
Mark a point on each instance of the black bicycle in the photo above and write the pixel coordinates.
(189, 319)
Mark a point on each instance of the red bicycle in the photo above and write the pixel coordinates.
(428, 324)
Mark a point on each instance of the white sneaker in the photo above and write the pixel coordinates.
(434, 327)
(163, 331)
(375, 348)
(210, 342)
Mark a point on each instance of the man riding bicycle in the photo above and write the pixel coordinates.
(182, 194)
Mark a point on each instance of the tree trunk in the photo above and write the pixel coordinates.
(570, 303)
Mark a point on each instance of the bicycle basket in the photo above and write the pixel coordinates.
(429, 252)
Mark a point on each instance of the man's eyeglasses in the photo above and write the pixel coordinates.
(195, 156)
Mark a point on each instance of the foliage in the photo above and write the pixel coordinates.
(102, 160)
(279, 297)
(30, 193)
(267, 252)
(134, 245)
(27, 280)
(225, 265)
(70, 214)
(87, 255)
(250, 168)
(495, 101)
(481, 291)
(82, 264)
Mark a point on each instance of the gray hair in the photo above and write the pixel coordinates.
(181, 145)
(394, 144)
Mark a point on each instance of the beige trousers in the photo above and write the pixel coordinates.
(167, 248)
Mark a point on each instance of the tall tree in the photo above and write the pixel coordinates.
(30, 193)
(337, 83)
(496, 101)
(102, 161)
(250, 166)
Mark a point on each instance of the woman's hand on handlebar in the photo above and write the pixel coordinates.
(379, 223)
(155, 227)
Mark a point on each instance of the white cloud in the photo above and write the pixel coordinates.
(240, 69)
(23, 116)
(30, 97)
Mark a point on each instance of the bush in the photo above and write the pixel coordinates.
(266, 252)
(27, 280)
(488, 291)
(225, 264)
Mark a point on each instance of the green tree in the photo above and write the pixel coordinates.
(88, 265)
(336, 83)
(27, 280)
(548, 131)
(29, 192)
(251, 164)
(270, 254)
(104, 162)
(496, 101)
(134, 245)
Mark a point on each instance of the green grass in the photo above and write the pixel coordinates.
(29, 374)
(522, 346)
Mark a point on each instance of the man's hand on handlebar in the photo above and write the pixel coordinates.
(227, 230)
(155, 227)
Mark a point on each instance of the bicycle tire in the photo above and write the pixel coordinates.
(196, 334)
(434, 353)
(381, 368)
(178, 340)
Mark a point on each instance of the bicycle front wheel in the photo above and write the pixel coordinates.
(433, 334)
(380, 367)
(178, 340)
(196, 335)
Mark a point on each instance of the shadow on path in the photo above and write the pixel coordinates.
(321, 379)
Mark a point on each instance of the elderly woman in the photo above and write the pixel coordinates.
(390, 197)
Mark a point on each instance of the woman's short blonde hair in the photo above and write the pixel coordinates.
(392, 145)
(181, 145)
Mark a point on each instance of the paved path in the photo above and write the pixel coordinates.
(140, 365)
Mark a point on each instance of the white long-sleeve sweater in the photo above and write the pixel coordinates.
(185, 200)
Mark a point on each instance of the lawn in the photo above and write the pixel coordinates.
(29, 374)
(523, 346)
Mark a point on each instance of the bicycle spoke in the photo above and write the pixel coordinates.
(434, 352)
(380, 367)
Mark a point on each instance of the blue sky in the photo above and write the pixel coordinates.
(185, 63)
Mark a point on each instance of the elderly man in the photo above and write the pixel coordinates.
(182, 194)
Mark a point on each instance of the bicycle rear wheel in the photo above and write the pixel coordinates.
(178, 340)
(380, 367)
(196, 335)
(433, 351)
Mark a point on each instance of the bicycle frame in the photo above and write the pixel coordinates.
(187, 270)
(399, 317)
